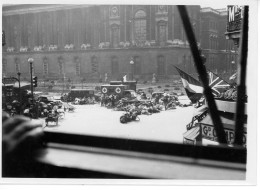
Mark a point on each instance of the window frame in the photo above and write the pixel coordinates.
(140, 27)
(198, 153)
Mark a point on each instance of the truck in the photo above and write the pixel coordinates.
(78, 93)
(122, 89)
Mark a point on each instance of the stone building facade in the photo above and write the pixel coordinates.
(82, 41)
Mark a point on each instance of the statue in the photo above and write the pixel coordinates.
(105, 77)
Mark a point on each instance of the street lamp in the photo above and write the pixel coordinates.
(132, 69)
(232, 66)
(30, 61)
(19, 82)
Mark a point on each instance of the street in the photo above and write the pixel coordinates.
(166, 126)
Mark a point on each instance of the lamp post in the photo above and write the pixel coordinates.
(63, 86)
(30, 61)
(132, 69)
(19, 82)
(232, 67)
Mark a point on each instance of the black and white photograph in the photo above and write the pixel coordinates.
(129, 92)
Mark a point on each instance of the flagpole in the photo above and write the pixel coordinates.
(203, 75)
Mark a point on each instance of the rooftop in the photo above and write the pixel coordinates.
(221, 12)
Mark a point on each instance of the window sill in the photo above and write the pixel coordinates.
(114, 159)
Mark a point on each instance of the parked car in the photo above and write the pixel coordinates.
(46, 99)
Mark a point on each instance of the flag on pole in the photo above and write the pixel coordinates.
(124, 78)
(192, 86)
(217, 84)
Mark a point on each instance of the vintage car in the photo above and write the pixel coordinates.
(45, 99)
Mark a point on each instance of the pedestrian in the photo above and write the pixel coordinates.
(165, 100)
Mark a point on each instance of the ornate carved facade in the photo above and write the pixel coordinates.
(89, 41)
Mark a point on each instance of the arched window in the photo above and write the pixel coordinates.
(114, 65)
(161, 65)
(94, 64)
(115, 35)
(140, 27)
(137, 65)
(162, 33)
(45, 66)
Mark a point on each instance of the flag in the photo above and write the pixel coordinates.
(192, 86)
(217, 84)
(124, 78)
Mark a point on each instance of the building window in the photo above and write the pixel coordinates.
(114, 12)
(61, 65)
(140, 27)
(77, 65)
(115, 33)
(94, 64)
(77, 69)
(61, 68)
(137, 65)
(17, 65)
(4, 61)
(114, 65)
(45, 66)
(162, 33)
(161, 65)
(184, 60)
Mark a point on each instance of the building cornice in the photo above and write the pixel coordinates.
(220, 12)
(15, 9)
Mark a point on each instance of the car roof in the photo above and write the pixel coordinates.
(107, 85)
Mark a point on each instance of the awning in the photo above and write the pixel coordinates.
(192, 134)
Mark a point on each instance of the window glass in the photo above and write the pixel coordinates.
(115, 32)
(45, 66)
(4, 65)
(61, 65)
(17, 65)
(162, 32)
(137, 65)
(114, 65)
(140, 27)
(77, 65)
(94, 64)
(161, 65)
(77, 69)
